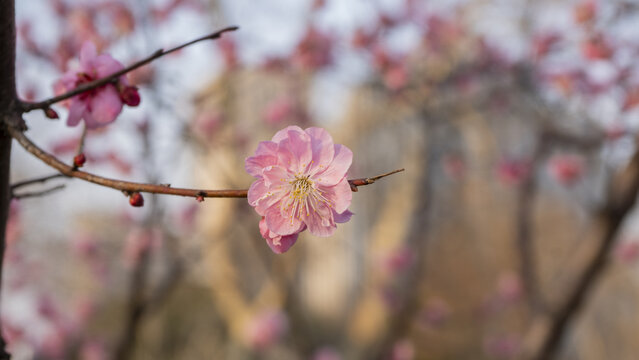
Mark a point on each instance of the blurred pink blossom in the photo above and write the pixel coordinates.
(93, 350)
(398, 260)
(585, 11)
(512, 172)
(54, 343)
(138, 242)
(301, 182)
(596, 48)
(502, 347)
(627, 251)
(631, 99)
(142, 75)
(266, 329)
(566, 169)
(206, 124)
(363, 39)
(543, 44)
(403, 350)
(326, 353)
(279, 110)
(229, 52)
(395, 77)
(13, 230)
(314, 51)
(454, 166)
(101, 106)
(509, 287)
(435, 313)
(615, 131)
(121, 17)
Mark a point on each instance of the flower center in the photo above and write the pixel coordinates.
(301, 186)
(304, 197)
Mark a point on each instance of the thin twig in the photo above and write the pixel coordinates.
(37, 193)
(28, 106)
(132, 187)
(35, 181)
(367, 181)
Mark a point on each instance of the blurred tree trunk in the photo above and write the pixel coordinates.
(8, 113)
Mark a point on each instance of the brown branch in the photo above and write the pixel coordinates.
(28, 106)
(132, 187)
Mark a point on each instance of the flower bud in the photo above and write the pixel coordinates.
(51, 114)
(136, 200)
(130, 96)
(79, 160)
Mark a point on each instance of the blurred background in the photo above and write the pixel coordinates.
(512, 118)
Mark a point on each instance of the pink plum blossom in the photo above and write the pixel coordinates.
(512, 172)
(266, 328)
(566, 169)
(503, 347)
(138, 242)
(509, 287)
(403, 350)
(326, 353)
(627, 252)
(585, 11)
(301, 183)
(278, 110)
(97, 107)
(435, 313)
(314, 51)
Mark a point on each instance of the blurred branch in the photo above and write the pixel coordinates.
(37, 193)
(524, 235)
(136, 307)
(28, 106)
(399, 323)
(35, 181)
(132, 187)
(622, 199)
(525, 205)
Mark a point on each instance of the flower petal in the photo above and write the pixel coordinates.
(320, 222)
(261, 198)
(275, 177)
(77, 111)
(279, 244)
(265, 155)
(338, 168)
(105, 65)
(296, 152)
(88, 53)
(343, 217)
(322, 147)
(283, 134)
(280, 224)
(105, 106)
(339, 195)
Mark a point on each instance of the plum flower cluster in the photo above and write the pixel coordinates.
(301, 184)
(100, 106)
